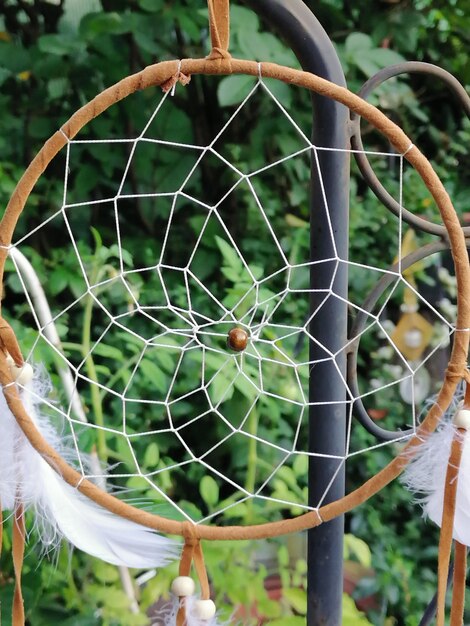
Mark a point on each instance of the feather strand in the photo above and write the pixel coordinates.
(61, 510)
(425, 475)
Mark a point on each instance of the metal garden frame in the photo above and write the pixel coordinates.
(334, 126)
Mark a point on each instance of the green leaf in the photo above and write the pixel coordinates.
(300, 465)
(245, 387)
(209, 490)
(165, 359)
(385, 57)
(232, 275)
(351, 615)
(147, 43)
(243, 19)
(257, 271)
(124, 454)
(296, 222)
(153, 374)
(4, 74)
(153, 6)
(108, 352)
(366, 63)
(234, 89)
(152, 455)
(105, 573)
(137, 483)
(355, 547)
(58, 280)
(230, 255)
(86, 179)
(97, 24)
(204, 263)
(14, 58)
(57, 87)
(289, 620)
(356, 42)
(297, 598)
(286, 473)
(84, 620)
(189, 25)
(60, 45)
(221, 388)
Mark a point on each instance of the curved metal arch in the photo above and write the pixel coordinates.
(410, 67)
(360, 322)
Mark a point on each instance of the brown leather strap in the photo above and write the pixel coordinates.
(192, 553)
(219, 22)
(466, 399)
(186, 560)
(9, 343)
(200, 566)
(185, 570)
(447, 526)
(458, 590)
(460, 563)
(181, 615)
(18, 556)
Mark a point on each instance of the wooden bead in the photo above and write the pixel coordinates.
(22, 375)
(183, 586)
(462, 419)
(204, 609)
(237, 339)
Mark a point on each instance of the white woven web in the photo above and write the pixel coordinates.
(165, 324)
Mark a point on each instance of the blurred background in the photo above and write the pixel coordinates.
(57, 55)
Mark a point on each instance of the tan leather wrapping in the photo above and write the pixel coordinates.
(458, 586)
(192, 553)
(219, 24)
(222, 65)
(19, 536)
(447, 525)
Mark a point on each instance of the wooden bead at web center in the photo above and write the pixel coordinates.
(237, 339)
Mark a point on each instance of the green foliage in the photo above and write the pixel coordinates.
(351, 615)
(54, 57)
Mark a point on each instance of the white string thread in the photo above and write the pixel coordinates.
(182, 335)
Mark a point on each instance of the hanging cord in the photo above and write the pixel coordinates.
(219, 23)
(19, 534)
(460, 566)
(192, 553)
(458, 592)
(447, 530)
(447, 526)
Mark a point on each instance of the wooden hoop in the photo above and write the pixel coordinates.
(222, 64)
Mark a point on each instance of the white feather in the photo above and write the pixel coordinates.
(426, 475)
(8, 469)
(61, 510)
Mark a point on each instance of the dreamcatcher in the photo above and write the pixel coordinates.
(167, 317)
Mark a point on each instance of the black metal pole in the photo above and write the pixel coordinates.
(327, 423)
(329, 239)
